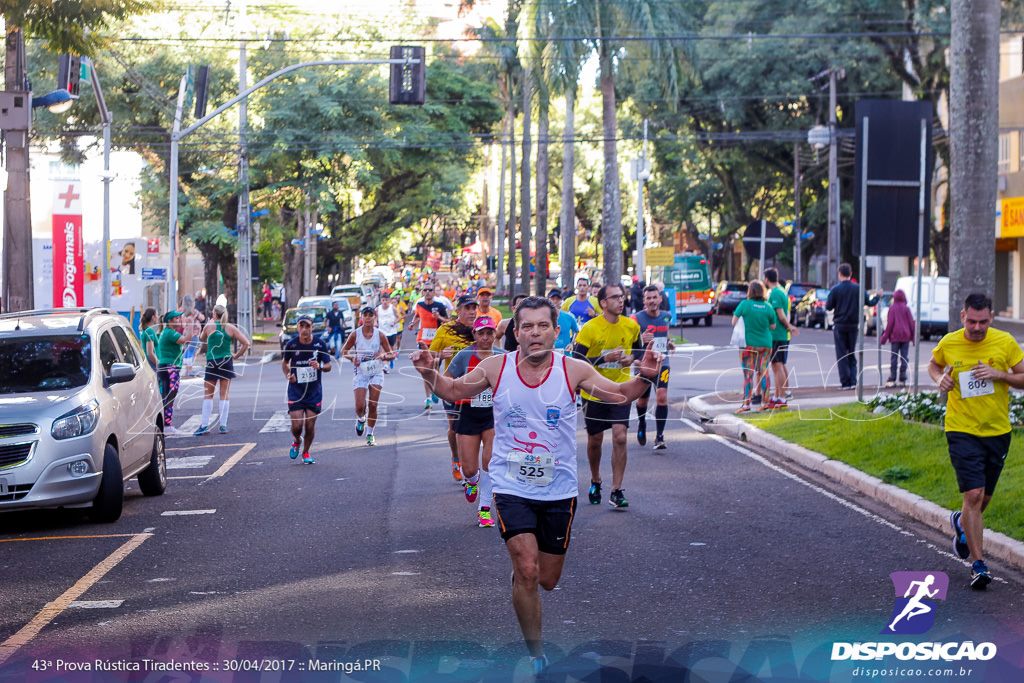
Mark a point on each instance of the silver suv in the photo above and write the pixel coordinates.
(80, 412)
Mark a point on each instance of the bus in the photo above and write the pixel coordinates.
(690, 278)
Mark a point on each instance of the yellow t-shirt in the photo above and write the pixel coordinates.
(446, 337)
(985, 414)
(600, 337)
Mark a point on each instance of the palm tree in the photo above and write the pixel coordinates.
(562, 60)
(606, 23)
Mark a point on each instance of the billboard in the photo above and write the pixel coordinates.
(68, 253)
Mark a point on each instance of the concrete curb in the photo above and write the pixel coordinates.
(996, 544)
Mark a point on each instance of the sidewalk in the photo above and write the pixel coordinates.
(716, 415)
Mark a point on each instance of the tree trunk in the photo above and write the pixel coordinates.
(568, 220)
(974, 134)
(611, 207)
(541, 202)
(524, 204)
(211, 262)
(229, 272)
(512, 209)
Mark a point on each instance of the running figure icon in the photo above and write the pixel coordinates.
(915, 606)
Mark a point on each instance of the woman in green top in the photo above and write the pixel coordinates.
(168, 370)
(149, 337)
(218, 335)
(758, 322)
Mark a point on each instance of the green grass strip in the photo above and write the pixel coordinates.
(909, 455)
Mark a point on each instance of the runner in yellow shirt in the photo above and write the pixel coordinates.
(976, 366)
(609, 342)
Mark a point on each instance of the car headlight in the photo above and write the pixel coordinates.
(78, 422)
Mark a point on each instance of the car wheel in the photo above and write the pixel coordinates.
(708, 320)
(153, 479)
(106, 506)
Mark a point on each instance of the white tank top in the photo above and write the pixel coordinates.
(365, 351)
(534, 453)
(387, 320)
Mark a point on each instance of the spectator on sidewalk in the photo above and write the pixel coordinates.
(899, 331)
(848, 306)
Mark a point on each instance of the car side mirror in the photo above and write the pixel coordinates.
(279, 324)
(120, 373)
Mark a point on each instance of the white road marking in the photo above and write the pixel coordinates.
(96, 604)
(280, 422)
(195, 422)
(177, 513)
(189, 462)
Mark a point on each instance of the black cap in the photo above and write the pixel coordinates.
(367, 309)
(555, 292)
(464, 299)
(304, 317)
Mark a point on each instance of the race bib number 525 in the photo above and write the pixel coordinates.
(534, 469)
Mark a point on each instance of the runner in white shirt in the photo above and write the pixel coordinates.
(368, 349)
(387, 321)
(533, 465)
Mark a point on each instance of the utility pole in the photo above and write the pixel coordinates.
(797, 248)
(643, 172)
(18, 278)
(244, 300)
(499, 262)
(833, 180)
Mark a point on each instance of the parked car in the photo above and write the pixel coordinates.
(728, 296)
(795, 291)
(328, 302)
(810, 310)
(80, 412)
(290, 327)
(872, 313)
(354, 294)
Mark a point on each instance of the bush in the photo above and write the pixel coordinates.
(929, 407)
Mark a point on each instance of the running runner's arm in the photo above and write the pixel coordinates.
(346, 348)
(206, 331)
(385, 346)
(242, 340)
(584, 376)
(325, 364)
(638, 350)
(450, 389)
(286, 366)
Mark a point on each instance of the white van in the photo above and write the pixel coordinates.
(934, 302)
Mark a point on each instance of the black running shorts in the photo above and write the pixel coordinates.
(780, 351)
(549, 520)
(598, 416)
(472, 421)
(219, 368)
(660, 383)
(977, 460)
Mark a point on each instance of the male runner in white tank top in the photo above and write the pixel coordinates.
(533, 465)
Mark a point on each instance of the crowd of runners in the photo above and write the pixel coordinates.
(511, 390)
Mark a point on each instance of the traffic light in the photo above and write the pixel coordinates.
(69, 72)
(408, 81)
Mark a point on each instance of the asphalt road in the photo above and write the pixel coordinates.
(726, 565)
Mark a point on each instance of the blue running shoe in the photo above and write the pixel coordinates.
(618, 499)
(595, 493)
(959, 537)
(433, 397)
(641, 433)
(979, 576)
(538, 664)
(205, 429)
(360, 426)
(307, 459)
(223, 429)
(294, 452)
